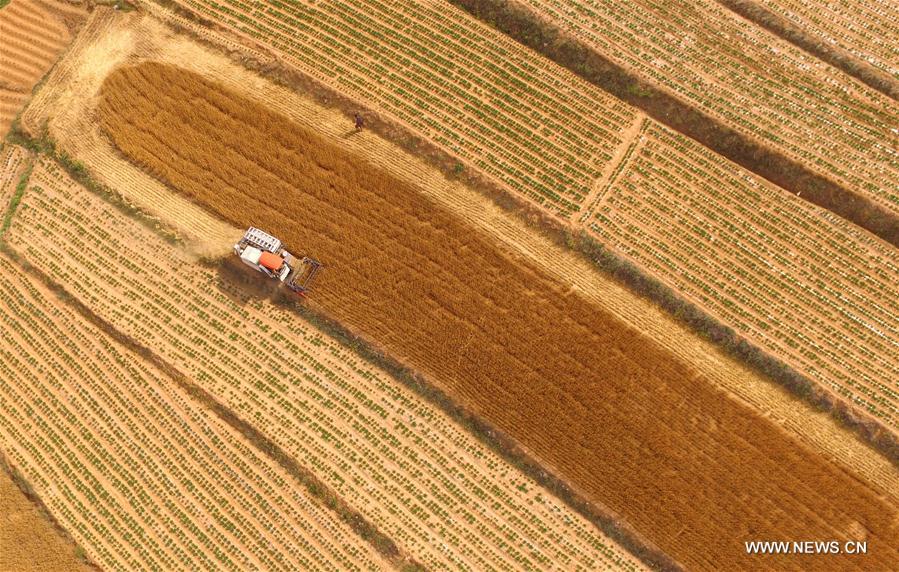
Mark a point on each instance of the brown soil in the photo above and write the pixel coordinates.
(587, 393)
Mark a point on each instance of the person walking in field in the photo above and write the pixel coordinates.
(358, 121)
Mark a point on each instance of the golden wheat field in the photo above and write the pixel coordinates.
(593, 291)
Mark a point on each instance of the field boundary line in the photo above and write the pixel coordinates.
(550, 41)
(868, 430)
(507, 448)
(316, 488)
(28, 492)
(633, 139)
(833, 55)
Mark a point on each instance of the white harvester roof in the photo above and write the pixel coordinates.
(262, 239)
(251, 254)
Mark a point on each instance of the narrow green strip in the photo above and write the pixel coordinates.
(16, 197)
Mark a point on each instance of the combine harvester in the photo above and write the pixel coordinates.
(263, 252)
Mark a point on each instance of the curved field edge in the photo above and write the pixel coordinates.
(520, 23)
(868, 427)
(274, 170)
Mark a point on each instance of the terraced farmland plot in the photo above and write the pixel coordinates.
(140, 474)
(866, 28)
(750, 80)
(794, 278)
(530, 125)
(423, 481)
(31, 38)
(589, 394)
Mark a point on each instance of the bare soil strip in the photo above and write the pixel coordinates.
(830, 53)
(550, 41)
(590, 395)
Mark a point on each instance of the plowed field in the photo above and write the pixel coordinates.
(31, 38)
(585, 392)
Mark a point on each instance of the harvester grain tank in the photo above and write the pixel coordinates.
(265, 253)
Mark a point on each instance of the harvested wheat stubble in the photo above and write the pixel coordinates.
(143, 476)
(866, 28)
(619, 417)
(791, 277)
(748, 79)
(415, 474)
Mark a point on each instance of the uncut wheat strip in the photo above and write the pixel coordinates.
(159, 407)
(798, 108)
(569, 269)
(585, 118)
(474, 213)
(586, 281)
(207, 306)
(864, 28)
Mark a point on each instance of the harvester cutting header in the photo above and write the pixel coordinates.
(264, 252)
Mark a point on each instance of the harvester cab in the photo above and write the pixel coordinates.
(264, 253)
